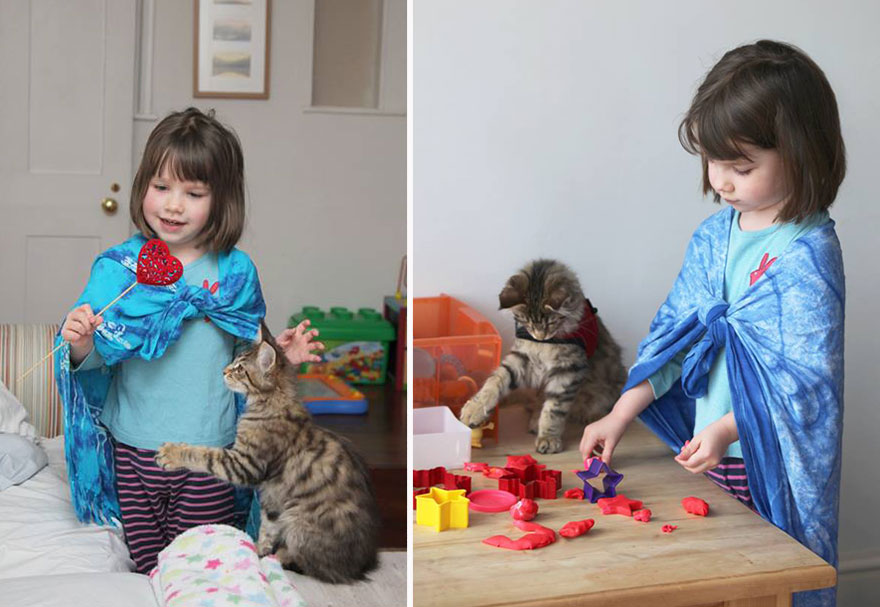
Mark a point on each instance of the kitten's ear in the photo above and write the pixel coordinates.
(514, 292)
(264, 334)
(556, 299)
(266, 357)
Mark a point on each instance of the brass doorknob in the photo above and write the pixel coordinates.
(109, 205)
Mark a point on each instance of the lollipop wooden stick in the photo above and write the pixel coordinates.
(155, 266)
(58, 347)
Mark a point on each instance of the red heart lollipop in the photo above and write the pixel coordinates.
(156, 265)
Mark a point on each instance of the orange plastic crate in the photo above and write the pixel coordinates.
(454, 350)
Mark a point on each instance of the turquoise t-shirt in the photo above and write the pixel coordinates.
(749, 254)
(181, 396)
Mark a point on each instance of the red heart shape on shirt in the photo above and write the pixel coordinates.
(156, 265)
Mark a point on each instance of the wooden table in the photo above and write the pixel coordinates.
(380, 436)
(732, 557)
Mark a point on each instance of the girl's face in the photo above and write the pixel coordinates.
(177, 211)
(754, 186)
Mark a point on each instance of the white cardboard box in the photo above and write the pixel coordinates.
(439, 439)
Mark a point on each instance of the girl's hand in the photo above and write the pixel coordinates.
(706, 449)
(77, 330)
(298, 345)
(606, 433)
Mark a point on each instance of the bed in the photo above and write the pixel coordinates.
(39, 532)
(49, 559)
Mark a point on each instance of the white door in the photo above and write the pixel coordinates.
(66, 110)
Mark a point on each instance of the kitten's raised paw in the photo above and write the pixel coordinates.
(473, 414)
(170, 456)
(548, 444)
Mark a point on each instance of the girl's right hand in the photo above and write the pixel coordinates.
(607, 431)
(77, 330)
(604, 433)
(298, 344)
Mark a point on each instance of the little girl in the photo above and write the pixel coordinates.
(149, 370)
(742, 371)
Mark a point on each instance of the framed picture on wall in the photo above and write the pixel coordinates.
(231, 49)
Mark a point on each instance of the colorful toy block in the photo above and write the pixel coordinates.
(357, 343)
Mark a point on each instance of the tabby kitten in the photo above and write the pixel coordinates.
(318, 510)
(562, 350)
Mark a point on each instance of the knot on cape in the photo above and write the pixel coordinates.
(711, 312)
(698, 362)
(198, 301)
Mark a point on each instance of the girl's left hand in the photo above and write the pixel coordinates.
(298, 345)
(706, 449)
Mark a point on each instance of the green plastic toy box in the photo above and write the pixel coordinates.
(356, 343)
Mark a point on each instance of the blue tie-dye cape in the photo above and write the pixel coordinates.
(144, 323)
(784, 345)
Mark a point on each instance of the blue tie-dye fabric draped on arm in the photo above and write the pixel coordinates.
(784, 346)
(144, 323)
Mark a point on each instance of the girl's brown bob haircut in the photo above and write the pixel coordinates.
(194, 146)
(771, 95)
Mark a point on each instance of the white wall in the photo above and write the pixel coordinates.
(326, 191)
(550, 129)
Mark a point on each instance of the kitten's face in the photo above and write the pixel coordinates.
(251, 371)
(540, 320)
(544, 298)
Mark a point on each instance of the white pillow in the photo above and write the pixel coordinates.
(13, 415)
(20, 459)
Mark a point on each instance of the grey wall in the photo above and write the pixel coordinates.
(326, 191)
(549, 129)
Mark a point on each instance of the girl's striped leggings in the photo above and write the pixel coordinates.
(157, 505)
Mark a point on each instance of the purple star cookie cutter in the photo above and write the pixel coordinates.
(593, 468)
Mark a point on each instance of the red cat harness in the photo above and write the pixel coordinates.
(586, 335)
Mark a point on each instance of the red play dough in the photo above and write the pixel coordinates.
(520, 461)
(541, 537)
(476, 466)
(620, 504)
(495, 472)
(576, 528)
(491, 500)
(524, 510)
(642, 515)
(575, 494)
(668, 528)
(695, 505)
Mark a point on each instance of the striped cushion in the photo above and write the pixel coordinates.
(22, 345)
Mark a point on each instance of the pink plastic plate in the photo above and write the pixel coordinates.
(491, 500)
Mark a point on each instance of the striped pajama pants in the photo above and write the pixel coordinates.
(157, 505)
(730, 475)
